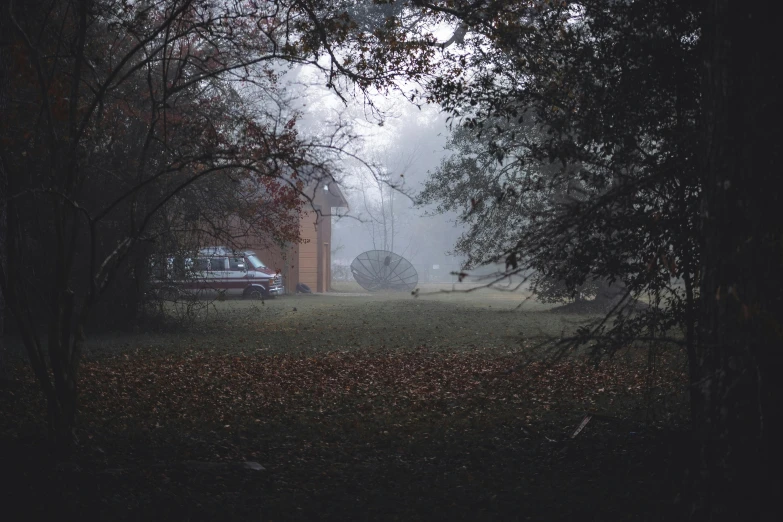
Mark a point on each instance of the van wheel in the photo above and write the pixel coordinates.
(254, 293)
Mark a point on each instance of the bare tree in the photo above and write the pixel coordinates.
(383, 194)
(119, 113)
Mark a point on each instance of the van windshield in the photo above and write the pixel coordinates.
(255, 262)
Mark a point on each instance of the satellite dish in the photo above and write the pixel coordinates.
(383, 270)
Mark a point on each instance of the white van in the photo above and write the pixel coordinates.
(218, 270)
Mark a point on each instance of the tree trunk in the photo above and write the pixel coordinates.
(5, 102)
(4, 372)
(737, 407)
(4, 375)
(65, 349)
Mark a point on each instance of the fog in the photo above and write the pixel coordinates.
(396, 145)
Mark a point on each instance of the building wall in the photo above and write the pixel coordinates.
(326, 254)
(308, 251)
(309, 261)
(300, 262)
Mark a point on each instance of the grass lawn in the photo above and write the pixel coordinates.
(358, 407)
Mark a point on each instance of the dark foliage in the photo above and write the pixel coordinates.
(575, 152)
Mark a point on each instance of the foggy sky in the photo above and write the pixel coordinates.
(389, 137)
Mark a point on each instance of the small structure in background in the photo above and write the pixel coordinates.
(383, 270)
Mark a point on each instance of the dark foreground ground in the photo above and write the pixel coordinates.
(353, 408)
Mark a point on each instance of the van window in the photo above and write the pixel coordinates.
(159, 269)
(255, 262)
(180, 267)
(201, 264)
(236, 264)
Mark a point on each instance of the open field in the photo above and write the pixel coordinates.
(358, 407)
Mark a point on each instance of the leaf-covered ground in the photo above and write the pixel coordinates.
(358, 408)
